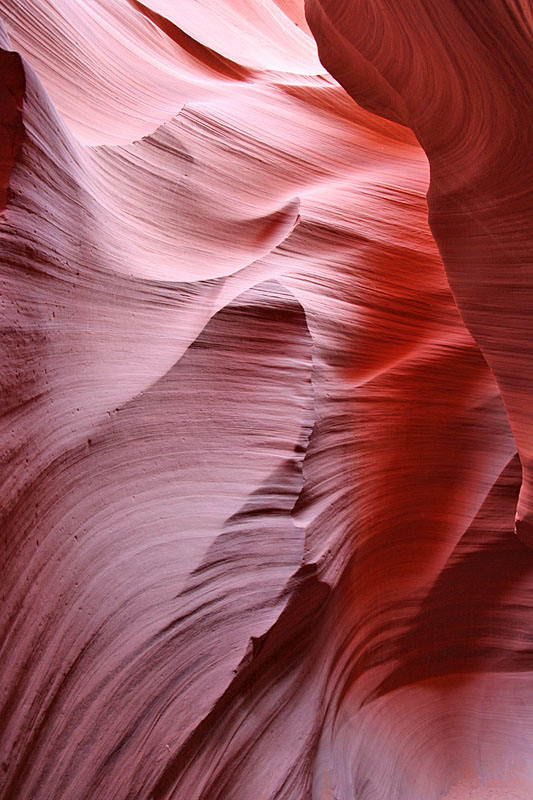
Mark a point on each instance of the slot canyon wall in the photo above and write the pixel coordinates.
(267, 420)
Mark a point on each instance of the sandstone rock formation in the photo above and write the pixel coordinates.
(260, 463)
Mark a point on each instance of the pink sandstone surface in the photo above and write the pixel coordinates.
(267, 420)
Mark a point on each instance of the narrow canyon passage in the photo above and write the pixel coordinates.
(266, 424)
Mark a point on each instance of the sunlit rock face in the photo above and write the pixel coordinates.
(260, 467)
(459, 74)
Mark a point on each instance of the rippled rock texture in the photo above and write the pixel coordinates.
(266, 410)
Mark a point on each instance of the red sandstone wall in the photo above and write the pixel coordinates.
(259, 464)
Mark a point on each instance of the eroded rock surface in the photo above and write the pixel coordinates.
(259, 463)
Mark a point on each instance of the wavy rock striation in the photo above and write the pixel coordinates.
(459, 75)
(259, 464)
